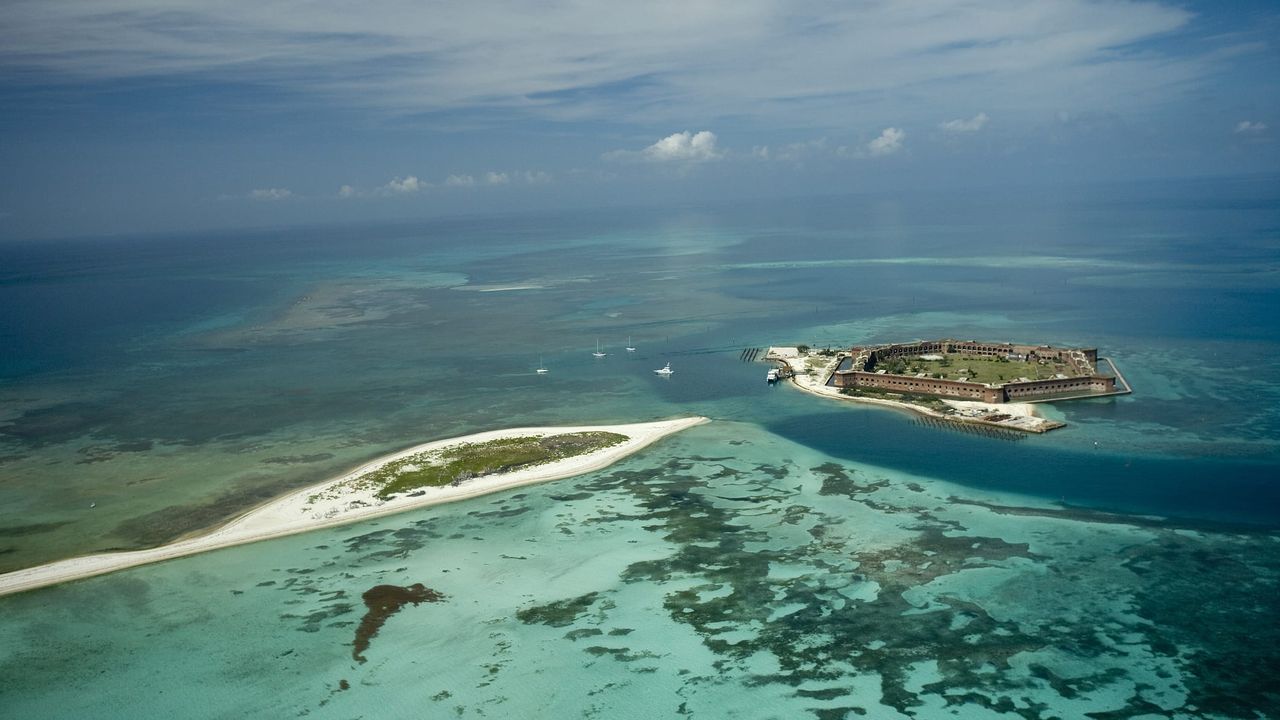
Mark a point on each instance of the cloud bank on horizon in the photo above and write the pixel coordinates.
(570, 88)
(667, 61)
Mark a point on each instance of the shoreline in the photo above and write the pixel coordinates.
(319, 506)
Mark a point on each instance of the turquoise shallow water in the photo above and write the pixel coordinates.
(765, 581)
(794, 558)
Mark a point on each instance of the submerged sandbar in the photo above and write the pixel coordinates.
(353, 497)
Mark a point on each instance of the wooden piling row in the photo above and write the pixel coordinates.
(988, 431)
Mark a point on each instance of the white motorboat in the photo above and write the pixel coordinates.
(665, 371)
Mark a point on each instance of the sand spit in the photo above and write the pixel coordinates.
(342, 500)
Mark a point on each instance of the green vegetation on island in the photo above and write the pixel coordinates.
(978, 369)
(457, 464)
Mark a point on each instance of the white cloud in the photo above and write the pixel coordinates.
(271, 194)
(681, 147)
(404, 186)
(798, 151)
(1248, 127)
(684, 147)
(889, 142)
(412, 184)
(973, 124)
(499, 177)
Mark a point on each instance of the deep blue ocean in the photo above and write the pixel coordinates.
(796, 557)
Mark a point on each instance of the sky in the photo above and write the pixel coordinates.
(124, 116)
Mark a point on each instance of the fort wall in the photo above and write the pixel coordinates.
(926, 386)
(1083, 362)
(1035, 388)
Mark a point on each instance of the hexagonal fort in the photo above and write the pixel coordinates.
(973, 370)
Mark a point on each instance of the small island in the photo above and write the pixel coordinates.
(456, 464)
(987, 383)
(429, 474)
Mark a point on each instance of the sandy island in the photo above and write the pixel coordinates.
(812, 378)
(344, 500)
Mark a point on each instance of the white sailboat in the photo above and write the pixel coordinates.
(542, 368)
(666, 371)
(599, 353)
(630, 347)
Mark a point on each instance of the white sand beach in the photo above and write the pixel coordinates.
(342, 500)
